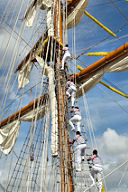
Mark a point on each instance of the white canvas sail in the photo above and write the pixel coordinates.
(50, 22)
(118, 65)
(24, 74)
(37, 113)
(30, 15)
(31, 11)
(8, 136)
(10, 132)
(76, 14)
(53, 106)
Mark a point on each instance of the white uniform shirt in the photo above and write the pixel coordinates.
(65, 49)
(71, 85)
(77, 112)
(79, 139)
(96, 160)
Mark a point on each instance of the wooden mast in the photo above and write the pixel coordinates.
(119, 53)
(64, 148)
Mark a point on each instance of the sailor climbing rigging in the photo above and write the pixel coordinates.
(66, 56)
(80, 149)
(71, 91)
(75, 119)
(96, 169)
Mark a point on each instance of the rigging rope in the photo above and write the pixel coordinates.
(101, 41)
(104, 3)
(113, 171)
(89, 122)
(90, 126)
(119, 10)
(42, 86)
(108, 41)
(45, 150)
(113, 99)
(12, 67)
(8, 81)
(123, 174)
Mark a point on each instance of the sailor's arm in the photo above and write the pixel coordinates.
(89, 159)
(71, 142)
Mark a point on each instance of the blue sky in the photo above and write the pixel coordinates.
(108, 111)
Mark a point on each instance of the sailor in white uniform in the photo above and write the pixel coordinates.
(76, 119)
(80, 149)
(66, 56)
(71, 91)
(96, 169)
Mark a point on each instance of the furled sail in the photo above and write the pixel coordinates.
(50, 22)
(9, 128)
(42, 47)
(53, 105)
(26, 64)
(116, 61)
(36, 112)
(75, 12)
(8, 136)
(31, 11)
(30, 14)
(24, 74)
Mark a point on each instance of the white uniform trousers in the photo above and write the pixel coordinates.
(72, 93)
(77, 120)
(80, 151)
(98, 171)
(66, 56)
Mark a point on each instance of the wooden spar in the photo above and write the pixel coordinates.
(100, 24)
(70, 8)
(28, 56)
(108, 86)
(121, 51)
(23, 110)
(65, 161)
(97, 53)
(118, 53)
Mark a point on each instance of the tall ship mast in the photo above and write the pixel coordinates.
(47, 130)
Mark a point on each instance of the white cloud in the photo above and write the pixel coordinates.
(113, 150)
(114, 144)
(113, 147)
